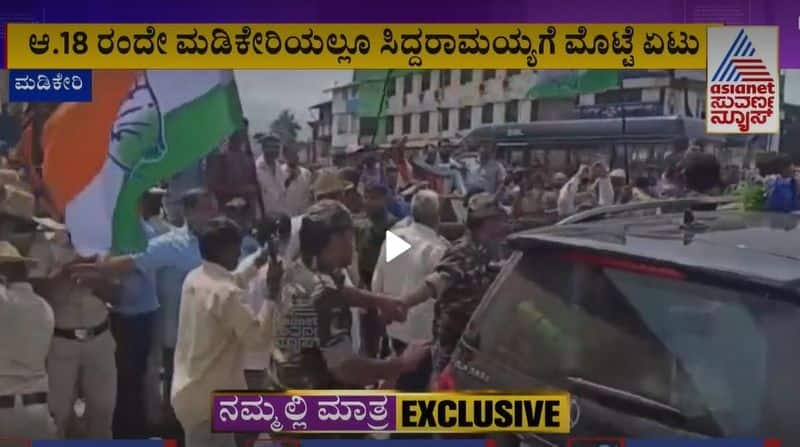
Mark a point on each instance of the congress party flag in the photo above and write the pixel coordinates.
(140, 128)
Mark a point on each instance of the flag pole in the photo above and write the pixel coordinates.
(380, 105)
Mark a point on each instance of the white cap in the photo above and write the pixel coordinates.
(618, 173)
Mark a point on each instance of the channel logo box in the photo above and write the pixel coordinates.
(743, 80)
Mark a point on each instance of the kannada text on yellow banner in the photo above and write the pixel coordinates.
(362, 46)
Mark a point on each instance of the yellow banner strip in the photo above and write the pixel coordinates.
(356, 46)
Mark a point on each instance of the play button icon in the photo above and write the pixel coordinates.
(395, 246)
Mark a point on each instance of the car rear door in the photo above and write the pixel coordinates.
(647, 350)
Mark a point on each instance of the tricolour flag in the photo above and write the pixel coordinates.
(140, 128)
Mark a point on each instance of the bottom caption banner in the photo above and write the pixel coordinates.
(374, 412)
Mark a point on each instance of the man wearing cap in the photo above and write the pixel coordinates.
(315, 338)
(462, 276)
(82, 356)
(17, 207)
(26, 332)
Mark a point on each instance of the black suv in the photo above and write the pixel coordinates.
(668, 325)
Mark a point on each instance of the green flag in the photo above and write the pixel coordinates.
(570, 83)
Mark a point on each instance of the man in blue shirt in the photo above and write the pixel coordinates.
(396, 204)
(171, 256)
(133, 324)
(191, 178)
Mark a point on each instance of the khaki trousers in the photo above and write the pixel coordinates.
(26, 422)
(89, 365)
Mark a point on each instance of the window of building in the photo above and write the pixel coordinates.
(489, 74)
(391, 88)
(353, 92)
(368, 126)
(408, 83)
(487, 113)
(444, 119)
(444, 78)
(466, 76)
(406, 124)
(534, 111)
(342, 124)
(512, 111)
(353, 124)
(510, 73)
(389, 125)
(426, 80)
(464, 118)
(424, 122)
(618, 96)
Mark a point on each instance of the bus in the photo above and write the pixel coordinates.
(636, 144)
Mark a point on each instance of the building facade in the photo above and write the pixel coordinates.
(321, 130)
(427, 105)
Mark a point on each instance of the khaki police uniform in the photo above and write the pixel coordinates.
(26, 325)
(82, 353)
(26, 330)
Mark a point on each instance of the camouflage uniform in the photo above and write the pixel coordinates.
(459, 282)
(318, 320)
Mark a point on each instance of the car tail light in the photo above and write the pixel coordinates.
(446, 381)
(623, 264)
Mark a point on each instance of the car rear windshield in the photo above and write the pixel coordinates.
(725, 358)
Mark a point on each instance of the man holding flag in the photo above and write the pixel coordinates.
(142, 127)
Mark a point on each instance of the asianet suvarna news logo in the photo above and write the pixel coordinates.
(743, 73)
(369, 412)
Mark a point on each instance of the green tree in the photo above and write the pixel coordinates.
(285, 127)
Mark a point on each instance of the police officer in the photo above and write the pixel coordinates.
(82, 353)
(463, 275)
(26, 330)
(315, 340)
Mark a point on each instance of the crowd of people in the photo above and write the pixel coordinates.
(261, 273)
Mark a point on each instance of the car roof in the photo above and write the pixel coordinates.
(762, 247)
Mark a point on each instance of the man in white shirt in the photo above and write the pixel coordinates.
(257, 363)
(297, 182)
(216, 327)
(602, 189)
(405, 274)
(285, 187)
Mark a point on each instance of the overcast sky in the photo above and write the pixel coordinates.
(265, 93)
